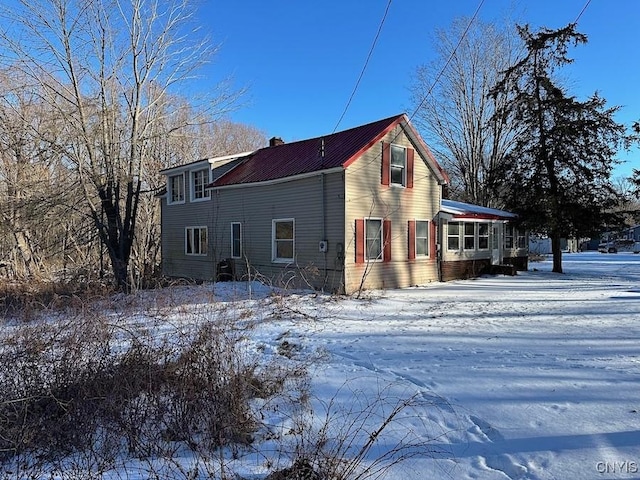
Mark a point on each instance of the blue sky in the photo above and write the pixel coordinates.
(300, 60)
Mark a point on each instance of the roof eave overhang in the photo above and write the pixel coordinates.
(274, 181)
(440, 174)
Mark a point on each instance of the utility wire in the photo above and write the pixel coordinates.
(373, 46)
(582, 11)
(453, 52)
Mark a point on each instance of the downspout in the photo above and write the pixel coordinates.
(324, 229)
(442, 217)
(439, 246)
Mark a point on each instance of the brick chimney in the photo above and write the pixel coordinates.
(275, 141)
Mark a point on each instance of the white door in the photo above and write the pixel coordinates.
(496, 243)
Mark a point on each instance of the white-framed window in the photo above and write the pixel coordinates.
(398, 165)
(283, 239)
(176, 188)
(373, 238)
(469, 235)
(422, 238)
(236, 240)
(508, 236)
(483, 236)
(453, 236)
(522, 238)
(196, 240)
(199, 180)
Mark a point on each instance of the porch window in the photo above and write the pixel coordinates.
(453, 236)
(522, 239)
(236, 240)
(196, 240)
(422, 238)
(283, 240)
(483, 236)
(508, 236)
(199, 180)
(469, 236)
(176, 189)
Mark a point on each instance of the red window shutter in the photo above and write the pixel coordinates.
(386, 239)
(432, 238)
(412, 239)
(410, 155)
(386, 163)
(359, 240)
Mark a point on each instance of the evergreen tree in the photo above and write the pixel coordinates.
(558, 173)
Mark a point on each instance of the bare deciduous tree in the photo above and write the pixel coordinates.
(457, 117)
(106, 71)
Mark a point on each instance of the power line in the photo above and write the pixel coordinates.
(453, 52)
(582, 11)
(373, 46)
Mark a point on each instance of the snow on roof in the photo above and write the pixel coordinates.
(461, 209)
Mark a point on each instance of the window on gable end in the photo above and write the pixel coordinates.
(372, 240)
(422, 238)
(398, 165)
(418, 239)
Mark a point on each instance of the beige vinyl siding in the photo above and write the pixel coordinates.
(367, 197)
(175, 219)
(256, 206)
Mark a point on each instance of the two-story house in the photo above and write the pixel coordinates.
(361, 208)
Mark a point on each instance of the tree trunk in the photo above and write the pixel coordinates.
(556, 250)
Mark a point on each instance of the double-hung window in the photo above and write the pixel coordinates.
(483, 236)
(196, 241)
(199, 181)
(373, 239)
(453, 236)
(283, 240)
(398, 165)
(469, 236)
(508, 236)
(522, 239)
(422, 238)
(176, 188)
(236, 240)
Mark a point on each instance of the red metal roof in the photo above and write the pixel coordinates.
(308, 156)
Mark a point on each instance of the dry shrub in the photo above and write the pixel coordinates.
(88, 386)
(26, 300)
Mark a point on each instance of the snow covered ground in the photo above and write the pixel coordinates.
(529, 377)
(535, 376)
